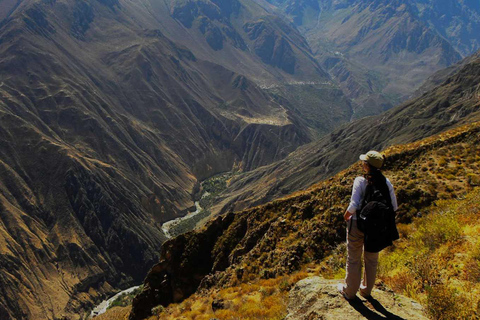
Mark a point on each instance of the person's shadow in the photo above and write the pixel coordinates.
(358, 305)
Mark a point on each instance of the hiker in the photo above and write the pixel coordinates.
(371, 163)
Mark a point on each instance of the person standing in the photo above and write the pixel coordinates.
(371, 162)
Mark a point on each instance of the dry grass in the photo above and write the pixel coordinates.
(258, 300)
(437, 261)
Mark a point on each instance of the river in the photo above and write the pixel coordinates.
(103, 306)
(168, 225)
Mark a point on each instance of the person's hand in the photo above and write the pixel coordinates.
(347, 215)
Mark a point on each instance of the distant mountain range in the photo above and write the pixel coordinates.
(113, 111)
(108, 121)
(380, 51)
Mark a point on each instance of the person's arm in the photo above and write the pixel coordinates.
(392, 196)
(355, 200)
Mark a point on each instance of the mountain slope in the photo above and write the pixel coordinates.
(457, 21)
(286, 235)
(454, 102)
(107, 123)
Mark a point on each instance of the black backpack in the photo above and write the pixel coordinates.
(376, 219)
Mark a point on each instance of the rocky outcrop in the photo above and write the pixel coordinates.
(222, 252)
(186, 260)
(317, 298)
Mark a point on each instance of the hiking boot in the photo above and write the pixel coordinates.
(341, 290)
(366, 296)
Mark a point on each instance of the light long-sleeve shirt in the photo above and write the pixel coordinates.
(358, 193)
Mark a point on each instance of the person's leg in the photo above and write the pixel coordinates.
(354, 259)
(371, 262)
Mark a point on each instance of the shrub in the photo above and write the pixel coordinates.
(284, 285)
(158, 310)
(437, 229)
(425, 269)
(473, 179)
(443, 303)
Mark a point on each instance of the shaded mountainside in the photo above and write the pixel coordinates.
(111, 112)
(441, 76)
(381, 51)
(457, 21)
(283, 236)
(454, 102)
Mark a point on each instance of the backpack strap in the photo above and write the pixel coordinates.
(380, 185)
(367, 196)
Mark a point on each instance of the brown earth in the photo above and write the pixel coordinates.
(107, 124)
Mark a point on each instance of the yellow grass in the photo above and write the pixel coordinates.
(263, 299)
(437, 261)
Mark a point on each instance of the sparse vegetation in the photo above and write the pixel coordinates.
(213, 186)
(188, 223)
(125, 299)
(263, 299)
(436, 260)
(117, 313)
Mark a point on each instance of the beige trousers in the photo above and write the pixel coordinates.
(354, 263)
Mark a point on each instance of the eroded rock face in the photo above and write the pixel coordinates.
(212, 19)
(270, 46)
(98, 150)
(317, 298)
(185, 262)
(226, 250)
